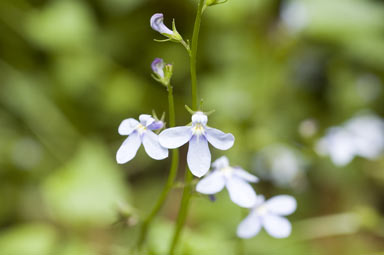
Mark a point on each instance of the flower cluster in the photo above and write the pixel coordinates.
(199, 137)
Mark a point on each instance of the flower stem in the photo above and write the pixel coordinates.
(193, 53)
(171, 177)
(187, 192)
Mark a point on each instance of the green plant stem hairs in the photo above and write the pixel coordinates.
(187, 192)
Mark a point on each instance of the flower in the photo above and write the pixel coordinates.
(140, 132)
(234, 179)
(360, 136)
(268, 214)
(198, 135)
(158, 67)
(162, 72)
(157, 24)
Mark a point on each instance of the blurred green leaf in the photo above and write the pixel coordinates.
(31, 239)
(87, 190)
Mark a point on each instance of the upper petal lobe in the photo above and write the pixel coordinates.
(127, 126)
(211, 184)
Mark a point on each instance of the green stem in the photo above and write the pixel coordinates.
(187, 192)
(193, 54)
(182, 211)
(171, 178)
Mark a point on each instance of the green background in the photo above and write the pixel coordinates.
(72, 70)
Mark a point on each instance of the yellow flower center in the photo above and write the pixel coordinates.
(141, 129)
(262, 210)
(198, 129)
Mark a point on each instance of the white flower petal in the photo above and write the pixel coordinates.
(249, 227)
(153, 147)
(128, 149)
(199, 156)
(172, 138)
(241, 192)
(221, 162)
(199, 118)
(277, 226)
(146, 119)
(219, 139)
(239, 172)
(127, 126)
(281, 205)
(211, 184)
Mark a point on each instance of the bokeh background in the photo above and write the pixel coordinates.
(278, 73)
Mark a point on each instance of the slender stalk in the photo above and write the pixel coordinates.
(182, 211)
(187, 192)
(193, 53)
(171, 177)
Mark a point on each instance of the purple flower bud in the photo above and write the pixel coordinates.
(158, 124)
(157, 24)
(158, 67)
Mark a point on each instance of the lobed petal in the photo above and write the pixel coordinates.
(199, 156)
(146, 119)
(281, 205)
(241, 192)
(211, 184)
(277, 226)
(172, 138)
(241, 173)
(127, 126)
(128, 149)
(199, 118)
(153, 147)
(221, 163)
(219, 139)
(249, 227)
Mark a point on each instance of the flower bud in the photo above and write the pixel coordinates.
(158, 67)
(157, 24)
(162, 72)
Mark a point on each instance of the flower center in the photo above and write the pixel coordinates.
(198, 129)
(262, 210)
(227, 171)
(141, 128)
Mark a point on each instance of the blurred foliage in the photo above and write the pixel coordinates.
(278, 73)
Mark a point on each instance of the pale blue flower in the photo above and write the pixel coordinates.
(198, 135)
(157, 24)
(234, 179)
(140, 133)
(158, 67)
(268, 214)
